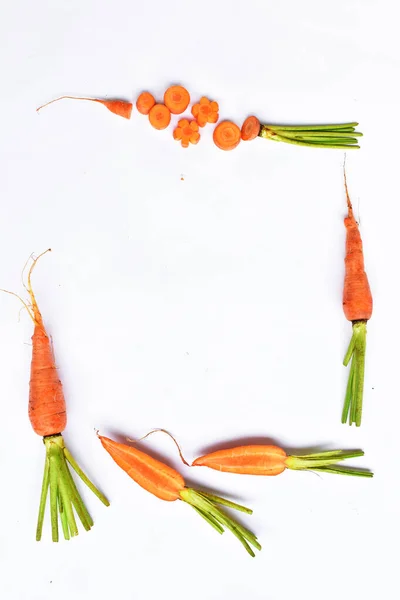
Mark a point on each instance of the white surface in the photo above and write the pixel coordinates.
(209, 306)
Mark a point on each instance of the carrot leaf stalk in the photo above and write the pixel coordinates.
(206, 505)
(64, 495)
(341, 136)
(352, 409)
(326, 461)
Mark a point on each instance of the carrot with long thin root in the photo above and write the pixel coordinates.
(118, 107)
(357, 306)
(167, 484)
(48, 417)
(273, 460)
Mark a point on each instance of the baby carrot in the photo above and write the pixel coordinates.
(341, 136)
(47, 414)
(145, 103)
(177, 99)
(250, 128)
(118, 107)
(357, 306)
(159, 116)
(273, 460)
(226, 135)
(167, 484)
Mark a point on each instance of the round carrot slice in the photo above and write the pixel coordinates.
(145, 103)
(250, 128)
(226, 135)
(177, 99)
(159, 116)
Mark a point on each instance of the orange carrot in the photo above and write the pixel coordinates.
(187, 132)
(118, 107)
(226, 135)
(159, 116)
(272, 460)
(205, 111)
(250, 128)
(167, 484)
(145, 103)
(177, 99)
(47, 414)
(357, 306)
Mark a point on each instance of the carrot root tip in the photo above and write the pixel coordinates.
(64, 496)
(207, 506)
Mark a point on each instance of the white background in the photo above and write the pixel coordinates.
(210, 306)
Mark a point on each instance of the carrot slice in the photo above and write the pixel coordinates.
(160, 116)
(226, 135)
(250, 128)
(118, 107)
(145, 103)
(177, 99)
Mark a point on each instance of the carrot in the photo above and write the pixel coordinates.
(226, 135)
(167, 484)
(205, 111)
(187, 132)
(145, 102)
(159, 116)
(357, 306)
(250, 129)
(177, 99)
(340, 136)
(118, 107)
(272, 460)
(47, 414)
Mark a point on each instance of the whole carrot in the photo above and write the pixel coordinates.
(167, 484)
(48, 417)
(357, 306)
(122, 108)
(273, 460)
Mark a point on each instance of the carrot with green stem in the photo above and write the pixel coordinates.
(48, 417)
(357, 306)
(167, 484)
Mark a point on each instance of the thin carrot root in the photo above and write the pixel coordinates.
(327, 462)
(118, 107)
(352, 409)
(206, 505)
(341, 136)
(64, 495)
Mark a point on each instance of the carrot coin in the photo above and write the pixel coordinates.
(250, 129)
(160, 116)
(226, 135)
(177, 99)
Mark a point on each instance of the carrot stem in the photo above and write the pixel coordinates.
(64, 495)
(352, 409)
(338, 470)
(326, 461)
(313, 127)
(319, 136)
(206, 506)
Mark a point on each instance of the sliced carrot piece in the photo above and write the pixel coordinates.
(160, 116)
(187, 132)
(250, 128)
(226, 135)
(145, 103)
(205, 111)
(177, 99)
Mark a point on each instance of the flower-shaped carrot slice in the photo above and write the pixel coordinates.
(187, 132)
(205, 111)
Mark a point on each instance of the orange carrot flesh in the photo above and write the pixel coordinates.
(145, 103)
(177, 99)
(226, 135)
(250, 128)
(151, 474)
(205, 111)
(357, 307)
(159, 116)
(118, 107)
(246, 460)
(167, 484)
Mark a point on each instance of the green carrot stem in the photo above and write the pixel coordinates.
(280, 138)
(43, 498)
(339, 470)
(84, 477)
(53, 497)
(352, 409)
(225, 502)
(63, 517)
(324, 134)
(319, 136)
(312, 127)
(325, 461)
(210, 520)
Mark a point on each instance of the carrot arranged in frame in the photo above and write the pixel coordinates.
(226, 135)
(167, 484)
(47, 414)
(145, 103)
(250, 129)
(270, 460)
(159, 116)
(357, 307)
(118, 107)
(177, 99)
